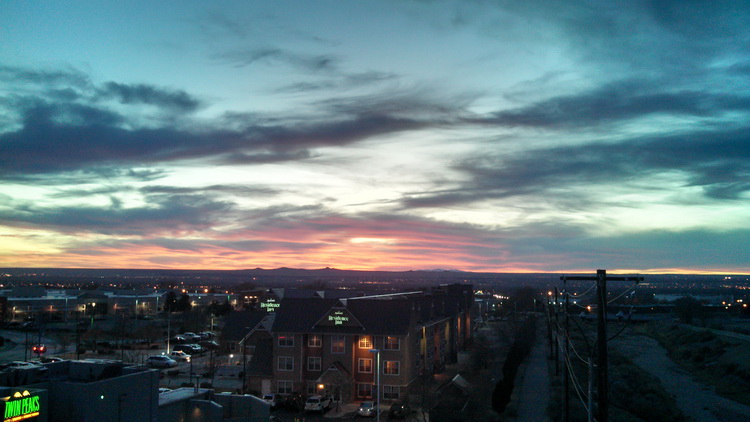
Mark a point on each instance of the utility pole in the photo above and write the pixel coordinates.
(601, 341)
(557, 334)
(566, 355)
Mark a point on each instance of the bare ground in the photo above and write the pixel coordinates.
(695, 399)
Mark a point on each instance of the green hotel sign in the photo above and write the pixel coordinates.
(21, 406)
(338, 318)
(270, 305)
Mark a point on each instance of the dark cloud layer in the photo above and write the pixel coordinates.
(65, 136)
(718, 161)
(618, 102)
(147, 94)
(162, 214)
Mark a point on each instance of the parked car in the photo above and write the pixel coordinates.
(191, 336)
(368, 409)
(273, 399)
(49, 359)
(399, 410)
(179, 356)
(197, 348)
(163, 390)
(317, 403)
(191, 349)
(105, 347)
(209, 344)
(29, 326)
(160, 361)
(205, 335)
(18, 365)
(178, 339)
(294, 401)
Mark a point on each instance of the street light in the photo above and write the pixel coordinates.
(244, 359)
(377, 382)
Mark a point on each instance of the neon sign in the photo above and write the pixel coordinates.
(338, 318)
(21, 406)
(270, 305)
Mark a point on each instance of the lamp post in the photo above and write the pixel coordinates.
(377, 380)
(244, 359)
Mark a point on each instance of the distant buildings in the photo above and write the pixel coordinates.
(27, 303)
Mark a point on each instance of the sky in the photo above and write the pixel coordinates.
(472, 135)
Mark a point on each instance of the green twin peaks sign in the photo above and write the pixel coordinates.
(21, 406)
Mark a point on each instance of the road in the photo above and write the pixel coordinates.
(19, 339)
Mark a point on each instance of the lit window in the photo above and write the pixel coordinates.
(365, 366)
(338, 344)
(286, 341)
(365, 342)
(391, 367)
(392, 343)
(286, 363)
(313, 363)
(314, 341)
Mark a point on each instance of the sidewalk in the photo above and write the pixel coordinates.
(532, 384)
(343, 410)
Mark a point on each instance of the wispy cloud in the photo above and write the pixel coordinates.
(147, 94)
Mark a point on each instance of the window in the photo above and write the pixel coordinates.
(390, 392)
(365, 366)
(392, 343)
(338, 344)
(232, 346)
(286, 363)
(364, 390)
(365, 342)
(286, 341)
(313, 363)
(391, 367)
(314, 341)
(284, 387)
(312, 388)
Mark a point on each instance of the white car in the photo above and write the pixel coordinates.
(191, 336)
(179, 356)
(317, 403)
(160, 361)
(19, 364)
(274, 400)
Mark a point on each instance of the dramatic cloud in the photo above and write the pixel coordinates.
(482, 135)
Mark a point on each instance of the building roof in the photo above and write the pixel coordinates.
(239, 323)
(371, 316)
